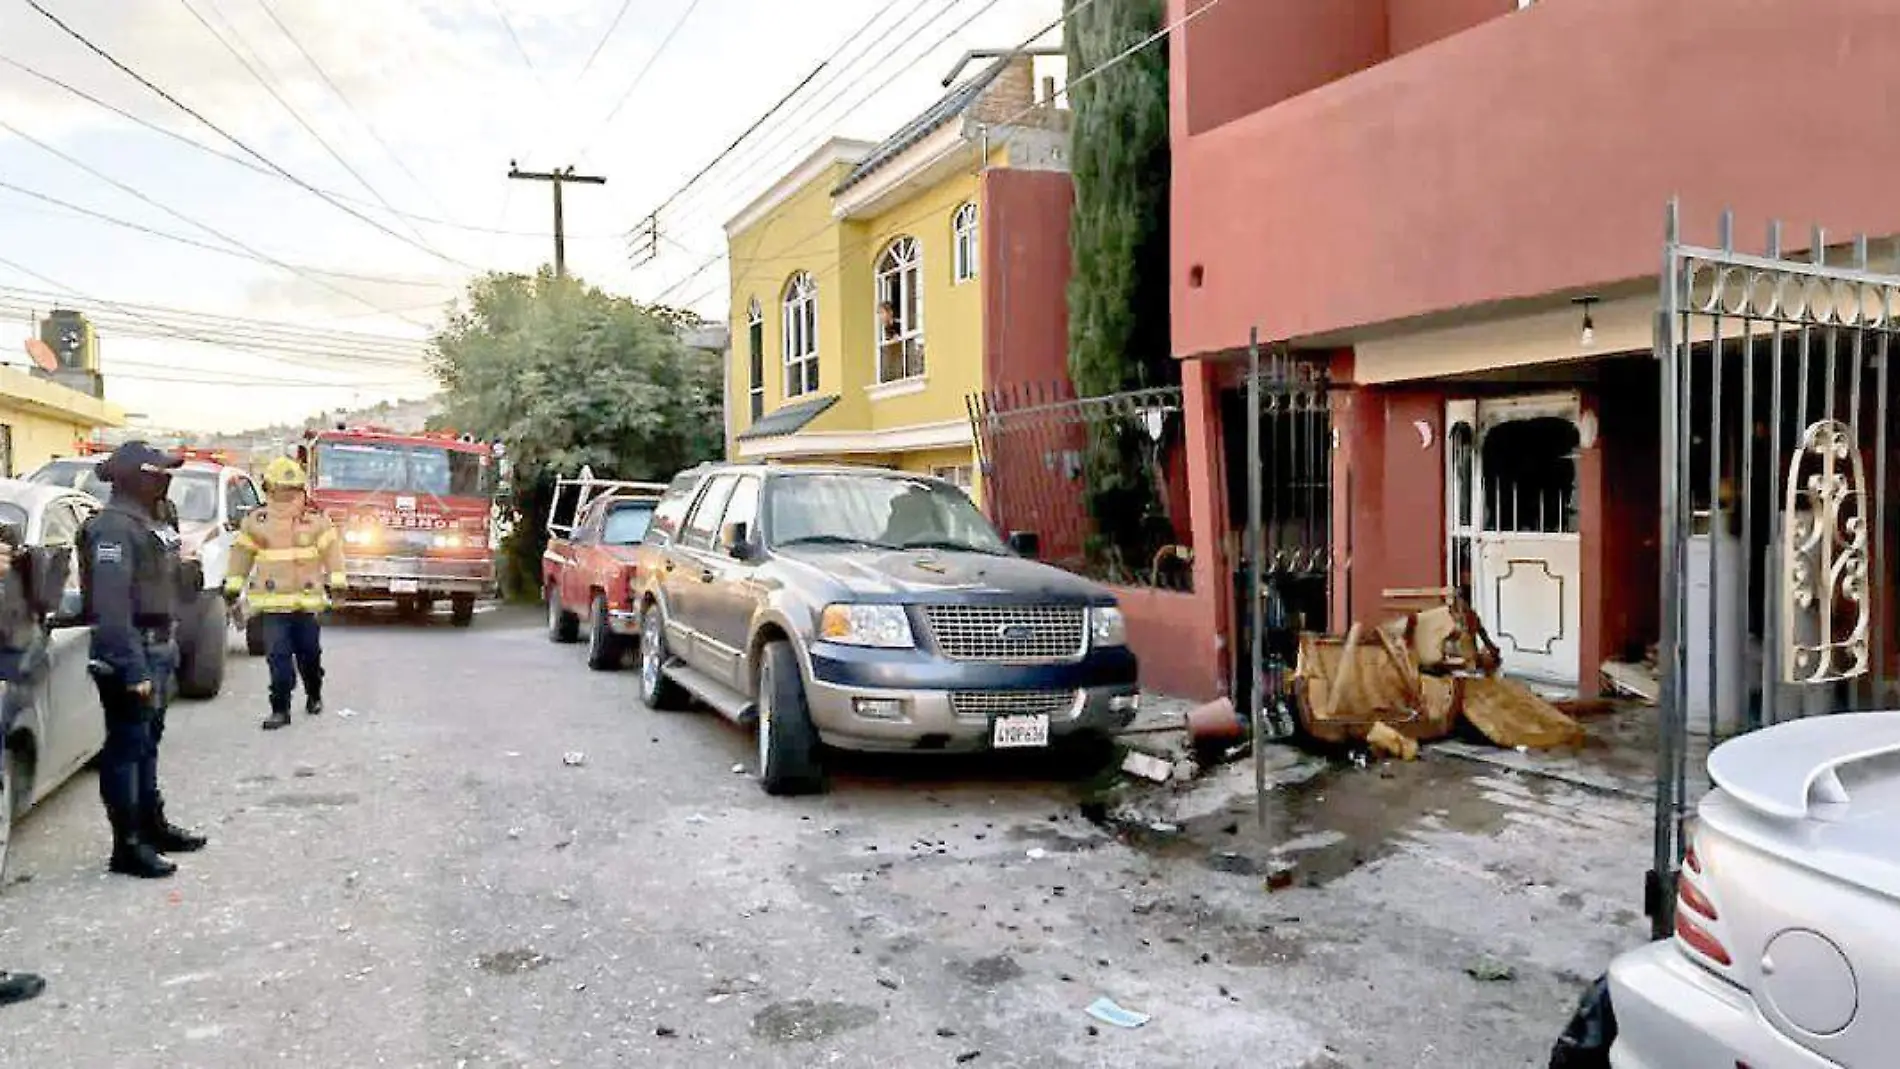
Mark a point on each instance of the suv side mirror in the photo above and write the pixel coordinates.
(239, 513)
(1026, 544)
(736, 540)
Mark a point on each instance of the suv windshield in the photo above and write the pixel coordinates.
(397, 468)
(627, 524)
(194, 493)
(877, 510)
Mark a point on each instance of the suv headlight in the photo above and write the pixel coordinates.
(881, 626)
(1107, 627)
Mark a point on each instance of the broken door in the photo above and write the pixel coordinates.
(1513, 548)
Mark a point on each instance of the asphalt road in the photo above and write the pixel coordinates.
(429, 882)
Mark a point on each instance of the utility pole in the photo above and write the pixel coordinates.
(558, 179)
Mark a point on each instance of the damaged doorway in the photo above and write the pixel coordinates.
(1513, 548)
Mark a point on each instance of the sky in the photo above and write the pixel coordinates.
(405, 116)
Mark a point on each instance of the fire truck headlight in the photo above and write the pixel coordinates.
(448, 541)
(360, 536)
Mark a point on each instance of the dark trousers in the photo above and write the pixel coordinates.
(295, 641)
(128, 762)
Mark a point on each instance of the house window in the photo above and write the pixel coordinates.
(801, 336)
(958, 475)
(755, 353)
(900, 312)
(963, 240)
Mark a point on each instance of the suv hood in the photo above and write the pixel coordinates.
(921, 575)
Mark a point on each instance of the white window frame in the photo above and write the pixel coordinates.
(901, 265)
(755, 362)
(961, 476)
(964, 237)
(800, 344)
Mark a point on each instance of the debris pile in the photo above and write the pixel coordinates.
(1414, 679)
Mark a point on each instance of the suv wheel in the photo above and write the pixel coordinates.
(656, 691)
(562, 626)
(201, 653)
(9, 782)
(603, 646)
(788, 743)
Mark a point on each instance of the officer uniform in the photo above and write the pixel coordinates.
(128, 568)
(286, 559)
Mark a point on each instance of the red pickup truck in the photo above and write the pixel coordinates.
(590, 570)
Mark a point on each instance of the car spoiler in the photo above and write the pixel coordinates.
(1793, 768)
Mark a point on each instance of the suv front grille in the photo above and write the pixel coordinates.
(1008, 634)
(984, 704)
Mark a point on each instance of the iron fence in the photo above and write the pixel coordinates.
(1779, 548)
(1099, 480)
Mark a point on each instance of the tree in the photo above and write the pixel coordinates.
(565, 377)
(1119, 331)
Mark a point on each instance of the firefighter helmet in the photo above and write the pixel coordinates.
(283, 473)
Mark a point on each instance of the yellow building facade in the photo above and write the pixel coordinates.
(41, 419)
(858, 292)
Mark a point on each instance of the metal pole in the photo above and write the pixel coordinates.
(560, 234)
(1671, 720)
(557, 178)
(1256, 551)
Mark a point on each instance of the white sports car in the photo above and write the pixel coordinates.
(1787, 946)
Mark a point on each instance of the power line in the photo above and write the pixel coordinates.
(250, 165)
(259, 77)
(205, 245)
(604, 38)
(241, 145)
(586, 145)
(206, 227)
(368, 126)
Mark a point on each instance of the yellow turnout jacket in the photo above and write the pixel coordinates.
(286, 560)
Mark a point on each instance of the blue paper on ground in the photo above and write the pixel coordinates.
(1106, 1011)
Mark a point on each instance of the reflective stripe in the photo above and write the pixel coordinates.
(234, 583)
(299, 602)
(326, 540)
(245, 541)
(338, 579)
(295, 553)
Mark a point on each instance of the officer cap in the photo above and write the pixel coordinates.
(136, 457)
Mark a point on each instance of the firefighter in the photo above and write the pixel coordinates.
(128, 572)
(287, 558)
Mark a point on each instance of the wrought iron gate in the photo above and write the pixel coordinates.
(1285, 578)
(1778, 546)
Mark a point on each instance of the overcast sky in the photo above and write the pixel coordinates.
(431, 100)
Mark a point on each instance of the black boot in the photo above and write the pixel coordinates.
(313, 703)
(132, 855)
(279, 718)
(169, 838)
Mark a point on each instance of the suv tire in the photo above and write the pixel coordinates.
(789, 758)
(563, 627)
(461, 610)
(656, 690)
(603, 646)
(13, 793)
(255, 643)
(201, 670)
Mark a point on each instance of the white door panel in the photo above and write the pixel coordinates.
(1530, 605)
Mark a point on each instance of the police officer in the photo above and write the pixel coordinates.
(128, 569)
(14, 986)
(290, 556)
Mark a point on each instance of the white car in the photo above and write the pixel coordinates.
(212, 500)
(49, 711)
(1787, 946)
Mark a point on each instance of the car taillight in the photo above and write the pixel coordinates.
(1697, 928)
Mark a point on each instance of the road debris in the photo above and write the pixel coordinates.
(1488, 970)
(968, 1056)
(347, 713)
(573, 759)
(1383, 739)
(1147, 766)
(1105, 1010)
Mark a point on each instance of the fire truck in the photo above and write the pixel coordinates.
(416, 512)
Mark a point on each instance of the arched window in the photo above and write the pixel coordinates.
(900, 312)
(755, 356)
(963, 241)
(801, 336)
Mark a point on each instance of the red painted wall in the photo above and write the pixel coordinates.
(1529, 155)
(1416, 23)
(1025, 276)
(1389, 492)
(1230, 75)
(1171, 634)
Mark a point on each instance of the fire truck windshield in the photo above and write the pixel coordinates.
(400, 468)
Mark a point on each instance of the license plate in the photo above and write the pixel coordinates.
(404, 586)
(1019, 732)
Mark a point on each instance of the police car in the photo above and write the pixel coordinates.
(212, 501)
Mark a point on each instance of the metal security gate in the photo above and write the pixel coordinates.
(1285, 578)
(1778, 541)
